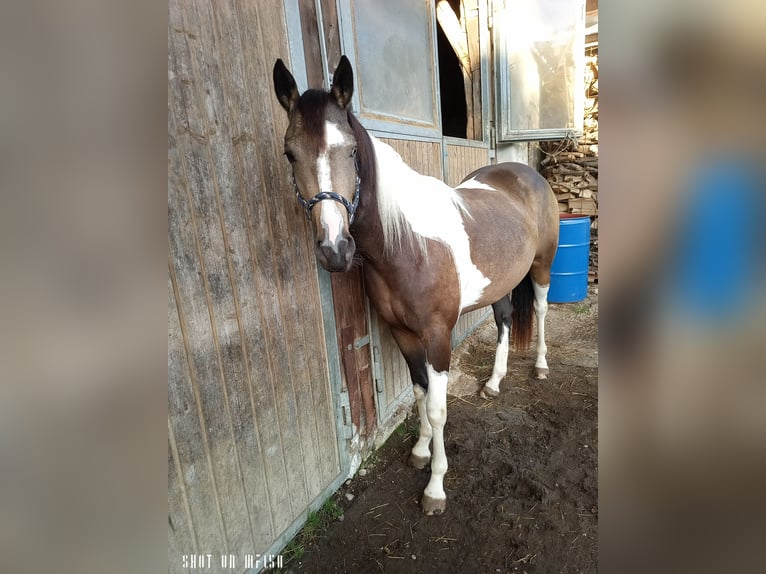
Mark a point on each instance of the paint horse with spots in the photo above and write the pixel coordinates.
(429, 252)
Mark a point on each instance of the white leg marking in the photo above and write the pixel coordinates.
(436, 409)
(541, 308)
(421, 448)
(501, 361)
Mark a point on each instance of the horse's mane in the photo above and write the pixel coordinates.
(397, 229)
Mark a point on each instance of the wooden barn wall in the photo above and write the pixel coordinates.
(460, 161)
(422, 156)
(251, 424)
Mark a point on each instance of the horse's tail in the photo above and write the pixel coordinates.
(522, 298)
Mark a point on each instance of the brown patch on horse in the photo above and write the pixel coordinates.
(311, 109)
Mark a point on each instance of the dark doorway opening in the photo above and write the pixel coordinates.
(451, 89)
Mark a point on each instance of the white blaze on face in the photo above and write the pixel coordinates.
(331, 216)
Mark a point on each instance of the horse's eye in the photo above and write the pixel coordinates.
(290, 157)
(353, 152)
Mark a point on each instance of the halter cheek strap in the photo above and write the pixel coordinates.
(350, 206)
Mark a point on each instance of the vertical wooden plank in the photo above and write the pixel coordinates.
(182, 535)
(331, 32)
(210, 164)
(190, 297)
(470, 10)
(276, 212)
(195, 462)
(239, 155)
(351, 322)
(272, 265)
(312, 51)
(245, 293)
(422, 156)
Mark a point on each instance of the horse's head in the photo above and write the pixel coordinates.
(320, 145)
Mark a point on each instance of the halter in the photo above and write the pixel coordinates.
(323, 195)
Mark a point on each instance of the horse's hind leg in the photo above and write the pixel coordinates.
(541, 278)
(502, 310)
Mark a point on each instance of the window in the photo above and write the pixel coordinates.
(394, 60)
(460, 67)
(539, 49)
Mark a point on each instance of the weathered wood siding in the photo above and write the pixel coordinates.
(251, 423)
(462, 160)
(422, 156)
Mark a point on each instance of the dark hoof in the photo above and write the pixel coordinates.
(419, 462)
(541, 373)
(488, 393)
(433, 506)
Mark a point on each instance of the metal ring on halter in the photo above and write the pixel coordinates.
(350, 206)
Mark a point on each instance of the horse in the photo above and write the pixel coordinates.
(429, 252)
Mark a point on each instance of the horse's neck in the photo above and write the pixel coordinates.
(409, 206)
(392, 177)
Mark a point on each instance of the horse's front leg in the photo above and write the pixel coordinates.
(415, 354)
(429, 366)
(434, 499)
(421, 453)
(438, 351)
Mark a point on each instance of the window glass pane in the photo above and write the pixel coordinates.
(540, 65)
(394, 55)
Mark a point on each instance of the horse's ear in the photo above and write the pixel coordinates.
(285, 86)
(343, 82)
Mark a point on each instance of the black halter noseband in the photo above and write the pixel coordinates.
(323, 195)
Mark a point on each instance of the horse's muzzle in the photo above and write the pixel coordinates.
(336, 256)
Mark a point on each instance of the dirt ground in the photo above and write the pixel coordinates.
(522, 480)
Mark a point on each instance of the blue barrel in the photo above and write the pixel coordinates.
(569, 272)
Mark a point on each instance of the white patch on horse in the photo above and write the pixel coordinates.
(324, 175)
(331, 216)
(474, 183)
(333, 137)
(426, 206)
(501, 361)
(421, 448)
(436, 408)
(541, 309)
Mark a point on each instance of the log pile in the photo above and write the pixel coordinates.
(571, 165)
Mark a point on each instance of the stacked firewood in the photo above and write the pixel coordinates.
(571, 165)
